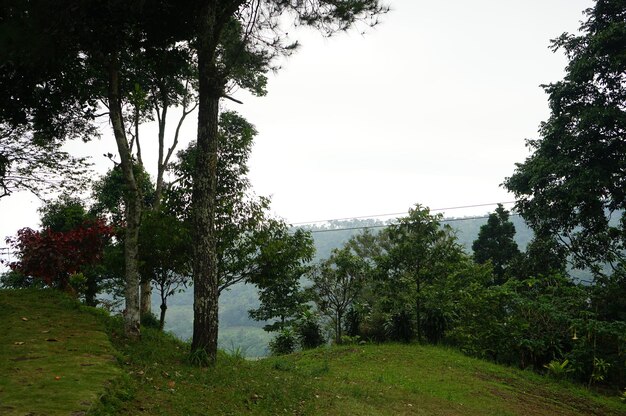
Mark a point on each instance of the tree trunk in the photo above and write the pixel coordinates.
(146, 297)
(162, 317)
(92, 289)
(418, 311)
(338, 328)
(206, 284)
(133, 208)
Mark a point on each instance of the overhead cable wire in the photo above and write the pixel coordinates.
(401, 213)
(366, 227)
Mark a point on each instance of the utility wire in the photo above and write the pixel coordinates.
(367, 227)
(401, 213)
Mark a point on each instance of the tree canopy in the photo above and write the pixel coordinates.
(573, 185)
(495, 243)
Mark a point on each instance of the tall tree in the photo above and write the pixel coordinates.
(337, 282)
(420, 249)
(495, 243)
(111, 194)
(88, 45)
(164, 245)
(280, 267)
(165, 79)
(240, 216)
(573, 184)
(251, 35)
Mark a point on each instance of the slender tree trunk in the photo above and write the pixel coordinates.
(133, 208)
(160, 162)
(92, 290)
(162, 317)
(418, 311)
(338, 329)
(206, 285)
(146, 297)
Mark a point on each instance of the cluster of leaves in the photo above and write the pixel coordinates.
(38, 166)
(303, 333)
(572, 186)
(53, 256)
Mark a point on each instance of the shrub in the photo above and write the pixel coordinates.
(398, 327)
(309, 331)
(13, 279)
(149, 320)
(558, 370)
(284, 343)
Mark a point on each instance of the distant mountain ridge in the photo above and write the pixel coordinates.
(336, 233)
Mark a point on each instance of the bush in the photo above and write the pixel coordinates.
(284, 343)
(399, 328)
(309, 332)
(348, 340)
(557, 369)
(149, 320)
(16, 280)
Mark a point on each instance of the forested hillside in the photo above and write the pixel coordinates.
(237, 330)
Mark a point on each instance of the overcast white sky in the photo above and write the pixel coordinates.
(432, 106)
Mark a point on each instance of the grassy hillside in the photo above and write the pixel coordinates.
(157, 379)
(55, 358)
(350, 380)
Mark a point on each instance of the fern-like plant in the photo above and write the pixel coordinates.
(558, 369)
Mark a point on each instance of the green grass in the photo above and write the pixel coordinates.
(55, 358)
(350, 380)
(157, 378)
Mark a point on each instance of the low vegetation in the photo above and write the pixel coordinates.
(66, 365)
(55, 358)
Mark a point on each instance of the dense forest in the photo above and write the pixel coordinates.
(237, 329)
(195, 251)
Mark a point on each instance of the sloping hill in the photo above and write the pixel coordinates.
(348, 380)
(59, 361)
(55, 358)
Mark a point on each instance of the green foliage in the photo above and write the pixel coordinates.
(78, 282)
(336, 283)
(600, 370)
(573, 183)
(198, 358)
(37, 166)
(398, 327)
(544, 256)
(64, 214)
(558, 369)
(111, 191)
(309, 331)
(280, 265)
(420, 251)
(149, 320)
(13, 279)
(284, 343)
(237, 353)
(165, 254)
(495, 243)
(598, 353)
